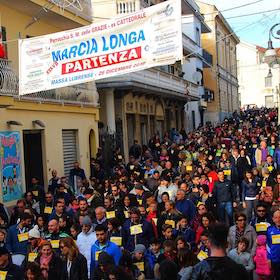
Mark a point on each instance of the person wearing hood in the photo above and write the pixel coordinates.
(9, 271)
(141, 261)
(86, 239)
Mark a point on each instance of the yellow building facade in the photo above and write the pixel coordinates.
(55, 127)
(220, 81)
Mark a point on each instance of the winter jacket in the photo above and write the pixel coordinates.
(84, 243)
(55, 267)
(249, 233)
(261, 261)
(224, 192)
(273, 250)
(250, 189)
(187, 208)
(14, 272)
(142, 238)
(111, 248)
(78, 269)
(243, 258)
(276, 156)
(219, 268)
(13, 245)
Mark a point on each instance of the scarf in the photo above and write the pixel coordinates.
(44, 264)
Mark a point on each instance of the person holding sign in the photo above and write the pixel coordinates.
(273, 245)
(8, 270)
(102, 244)
(136, 230)
(17, 238)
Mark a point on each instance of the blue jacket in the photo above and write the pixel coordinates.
(144, 238)
(276, 156)
(13, 245)
(111, 248)
(273, 250)
(250, 189)
(187, 208)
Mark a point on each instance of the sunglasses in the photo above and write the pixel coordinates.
(241, 220)
(48, 197)
(261, 211)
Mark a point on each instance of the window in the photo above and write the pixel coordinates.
(197, 36)
(268, 82)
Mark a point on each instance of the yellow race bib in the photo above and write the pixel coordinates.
(35, 193)
(116, 240)
(32, 257)
(170, 222)
(137, 229)
(189, 168)
(139, 201)
(261, 227)
(3, 275)
(110, 214)
(227, 172)
(202, 255)
(55, 244)
(48, 210)
(140, 266)
(97, 253)
(126, 214)
(270, 168)
(276, 239)
(23, 237)
(155, 221)
(263, 184)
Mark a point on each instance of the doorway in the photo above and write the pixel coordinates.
(33, 160)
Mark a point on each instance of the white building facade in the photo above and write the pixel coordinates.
(258, 85)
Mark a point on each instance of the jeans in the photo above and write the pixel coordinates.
(250, 209)
(223, 209)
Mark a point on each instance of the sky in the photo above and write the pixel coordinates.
(255, 28)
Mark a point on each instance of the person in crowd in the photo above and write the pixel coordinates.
(184, 205)
(186, 260)
(263, 267)
(53, 182)
(240, 256)
(136, 230)
(218, 265)
(102, 244)
(273, 245)
(33, 272)
(242, 229)
(224, 194)
(17, 238)
(50, 263)
(86, 239)
(74, 263)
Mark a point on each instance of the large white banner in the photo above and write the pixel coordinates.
(140, 40)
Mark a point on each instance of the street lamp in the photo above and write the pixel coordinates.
(271, 55)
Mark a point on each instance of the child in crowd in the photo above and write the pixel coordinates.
(240, 256)
(262, 267)
(183, 229)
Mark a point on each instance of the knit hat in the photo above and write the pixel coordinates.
(261, 239)
(34, 232)
(86, 221)
(139, 248)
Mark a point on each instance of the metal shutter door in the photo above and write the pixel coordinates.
(69, 140)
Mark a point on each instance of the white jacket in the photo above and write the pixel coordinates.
(84, 243)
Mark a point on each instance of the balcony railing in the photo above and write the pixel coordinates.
(130, 6)
(153, 79)
(81, 94)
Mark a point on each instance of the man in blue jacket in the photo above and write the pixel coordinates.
(17, 237)
(184, 205)
(273, 245)
(103, 245)
(136, 231)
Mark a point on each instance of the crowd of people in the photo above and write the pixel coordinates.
(198, 205)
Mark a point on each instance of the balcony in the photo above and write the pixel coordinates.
(81, 94)
(127, 7)
(149, 81)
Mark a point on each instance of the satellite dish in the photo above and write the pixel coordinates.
(197, 77)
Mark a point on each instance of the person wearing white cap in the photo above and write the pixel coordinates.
(86, 239)
(34, 242)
